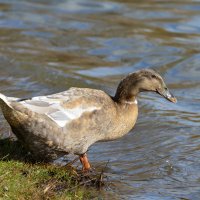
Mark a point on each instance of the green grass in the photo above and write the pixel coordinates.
(22, 179)
(19, 180)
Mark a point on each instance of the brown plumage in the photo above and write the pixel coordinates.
(71, 121)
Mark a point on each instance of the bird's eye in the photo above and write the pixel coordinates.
(153, 76)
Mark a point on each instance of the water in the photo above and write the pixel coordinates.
(47, 46)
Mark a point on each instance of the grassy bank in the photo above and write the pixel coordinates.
(22, 179)
(25, 181)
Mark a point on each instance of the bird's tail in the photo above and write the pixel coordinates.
(4, 102)
(3, 97)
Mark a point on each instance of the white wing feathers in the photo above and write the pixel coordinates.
(52, 107)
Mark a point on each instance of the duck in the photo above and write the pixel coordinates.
(69, 122)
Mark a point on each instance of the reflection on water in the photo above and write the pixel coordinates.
(48, 46)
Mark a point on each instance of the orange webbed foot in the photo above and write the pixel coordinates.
(85, 163)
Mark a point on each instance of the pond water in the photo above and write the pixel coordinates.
(47, 46)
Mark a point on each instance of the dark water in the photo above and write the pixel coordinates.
(47, 46)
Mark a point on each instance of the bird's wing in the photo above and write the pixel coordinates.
(65, 106)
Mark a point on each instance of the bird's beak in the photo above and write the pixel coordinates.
(169, 96)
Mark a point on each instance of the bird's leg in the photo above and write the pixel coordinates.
(85, 162)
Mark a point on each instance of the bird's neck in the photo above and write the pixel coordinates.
(126, 92)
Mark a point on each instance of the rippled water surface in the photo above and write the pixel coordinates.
(47, 46)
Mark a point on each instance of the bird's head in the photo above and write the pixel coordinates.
(142, 81)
